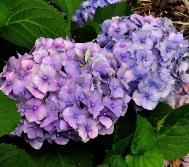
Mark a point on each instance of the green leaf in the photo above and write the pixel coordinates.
(4, 13)
(94, 25)
(158, 115)
(9, 117)
(58, 156)
(83, 34)
(144, 137)
(69, 7)
(117, 161)
(143, 145)
(114, 157)
(161, 122)
(117, 9)
(174, 135)
(121, 145)
(126, 125)
(151, 158)
(61, 4)
(11, 156)
(31, 19)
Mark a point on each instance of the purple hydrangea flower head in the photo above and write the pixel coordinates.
(67, 91)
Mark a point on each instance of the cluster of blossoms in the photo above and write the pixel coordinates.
(153, 58)
(76, 91)
(88, 9)
(67, 91)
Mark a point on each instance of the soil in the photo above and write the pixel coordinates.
(176, 10)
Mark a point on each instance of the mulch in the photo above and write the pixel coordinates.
(176, 10)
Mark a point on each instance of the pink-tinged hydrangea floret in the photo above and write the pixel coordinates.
(62, 87)
(88, 130)
(74, 116)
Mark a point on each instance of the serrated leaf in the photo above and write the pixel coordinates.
(59, 156)
(117, 9)
(11, 156)
(9, 116)
(31, 19)
(174, 135)
(144, 153)
(151, 158)
(144, 137)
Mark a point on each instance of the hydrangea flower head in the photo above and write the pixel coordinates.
(152, 58)
(67, 91)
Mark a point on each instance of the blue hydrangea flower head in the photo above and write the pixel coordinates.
(152, 58)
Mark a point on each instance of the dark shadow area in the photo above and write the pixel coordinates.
(7, 50)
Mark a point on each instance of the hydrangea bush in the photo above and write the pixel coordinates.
(130, 83)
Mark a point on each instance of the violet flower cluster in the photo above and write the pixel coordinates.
(77, 91)
(88, 9)
(153, 57)
(67, 91)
